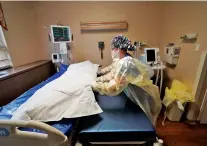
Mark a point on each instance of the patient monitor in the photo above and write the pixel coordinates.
(60, 34)
(60, 37)
(151, 55)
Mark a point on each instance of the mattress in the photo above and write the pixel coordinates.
(122, 120)
(65, 125)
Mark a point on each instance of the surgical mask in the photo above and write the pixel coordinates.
(115, 54)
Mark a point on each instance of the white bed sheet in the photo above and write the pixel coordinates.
(69, 96)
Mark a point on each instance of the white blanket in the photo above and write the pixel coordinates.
(69, 96)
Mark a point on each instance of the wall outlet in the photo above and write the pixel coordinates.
(197, 47)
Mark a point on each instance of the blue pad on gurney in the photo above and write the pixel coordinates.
(65, 125)
(121, 120)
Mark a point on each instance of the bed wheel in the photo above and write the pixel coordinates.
(85, 144)
(159, 142)
(78, 144)
(149, 143)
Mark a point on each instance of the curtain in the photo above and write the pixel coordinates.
(2, 20)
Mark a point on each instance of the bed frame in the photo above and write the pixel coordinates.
(28, 75)
(10, 135)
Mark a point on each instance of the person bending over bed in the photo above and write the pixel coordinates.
(126, 70)
(120, 45)
(122, 66)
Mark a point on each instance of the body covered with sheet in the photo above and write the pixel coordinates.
(69, 96)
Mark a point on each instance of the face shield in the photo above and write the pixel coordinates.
(119, 44)
(115, 54)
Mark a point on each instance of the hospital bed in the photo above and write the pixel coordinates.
(121, 122)
(35, 132)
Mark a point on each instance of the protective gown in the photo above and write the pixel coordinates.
(125, 75)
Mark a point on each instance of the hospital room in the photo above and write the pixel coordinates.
(87, 73)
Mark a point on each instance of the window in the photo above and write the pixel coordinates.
(5, 60)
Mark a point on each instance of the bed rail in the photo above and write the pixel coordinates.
(10, 135)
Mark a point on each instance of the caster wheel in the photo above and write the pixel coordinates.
(78, 144)
(158, 143)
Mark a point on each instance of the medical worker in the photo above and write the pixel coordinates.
(126, 70)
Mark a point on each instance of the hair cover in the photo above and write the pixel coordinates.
(123, 43)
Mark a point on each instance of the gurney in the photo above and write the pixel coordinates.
(122, 122)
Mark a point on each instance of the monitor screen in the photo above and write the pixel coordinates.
(55, 56)
(61, 34)
(150, 55)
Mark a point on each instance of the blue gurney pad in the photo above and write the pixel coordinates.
(121, 120)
